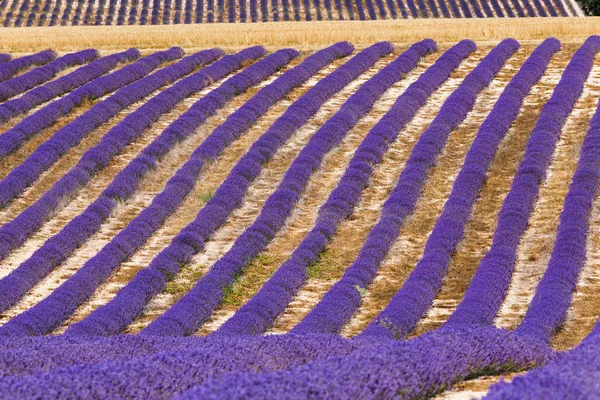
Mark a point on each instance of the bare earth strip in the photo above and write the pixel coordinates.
(408, 248)
(68, 207)
(536, 245)
(241, 218)
(257, 194)
(474, 388)
(480, 228)
(50, 176)
(352, 233)
(299, 224)
(150, 186)
(85, 197)
(586, 303)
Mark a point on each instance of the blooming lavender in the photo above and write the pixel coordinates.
(79, 229)
(490, 283)
(97, 157)
(342, 300)
(411, 302)
(64, 84)
(16, 231)
(37, 76)
(259, 313)
(548, 308)
(190, 240)
(8, 69)
(416, 369)
(195, 307)
(13, 138)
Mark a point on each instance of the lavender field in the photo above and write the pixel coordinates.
(30, 13)
(371, 222)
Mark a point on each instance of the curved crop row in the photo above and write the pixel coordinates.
(409, 304)
(490, 283)
(190, 240)
(341, 301)
(573, 374)
(10, 68)
(70, 135)
(56, 249)
(548, 308)
(16, 231)
(95, 158)
(416, 369)
(197, 305)
(36, 77)
(13, 138)
(449, 227)
(208, 151)
(172, 371)
(64, 84)
(118, 137)
(259, 313)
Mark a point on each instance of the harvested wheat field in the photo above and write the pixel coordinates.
(314, 218)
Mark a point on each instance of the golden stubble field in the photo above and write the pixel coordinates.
(302, 35)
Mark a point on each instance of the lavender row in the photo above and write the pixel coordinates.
(15, 232)
(64, 84)
(66, 16)
(96, 158)
(190, 362)
(170, 258)
(37, 355)
(416, 369)
(126, 182)
(342, 300)
(199, 303)
(412, 301)
(131, 300)
(112, 6)
(548, 308)
(122, 12)
(57, 249)
(13, 138)
(5, 57)
(78, 12)
(450, 225)
(490, 283)
(71, 134)
(22, 10)
(33, 13)
(55, 12)
(9, 14)
(570, 375)
(10, 68)
(36, 77)
(258, 314)
(44, 13)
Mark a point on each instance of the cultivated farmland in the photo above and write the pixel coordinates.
(190, 214)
